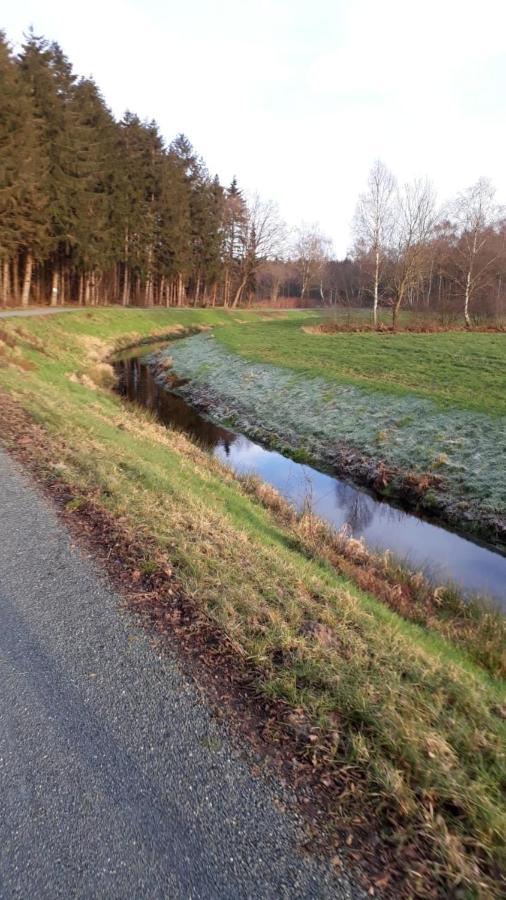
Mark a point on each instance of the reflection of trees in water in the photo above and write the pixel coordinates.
(361, 509)
(227, 442)
(172, 410)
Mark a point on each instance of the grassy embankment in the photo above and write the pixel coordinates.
(417, 720)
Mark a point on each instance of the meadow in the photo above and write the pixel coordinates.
(419, 404)
(454, 369)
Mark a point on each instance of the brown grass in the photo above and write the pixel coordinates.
(413, 326)
(473, 625)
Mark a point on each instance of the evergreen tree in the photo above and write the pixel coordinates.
(234, 228)
(91, 192)
(24, 232)
(205, 201)
(48, 78)
(140, 187)
(94, 209)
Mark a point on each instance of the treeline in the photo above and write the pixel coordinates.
(410, 252)
(407, 253)
(93, 210)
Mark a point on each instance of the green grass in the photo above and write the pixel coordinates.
(454, 369)
(418, 722)
(311, 409)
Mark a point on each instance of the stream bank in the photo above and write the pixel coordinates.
(145, 376)
(444, 464)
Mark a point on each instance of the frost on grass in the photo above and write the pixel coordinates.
(466, 448)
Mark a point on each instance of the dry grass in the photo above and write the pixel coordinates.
(413, 328)
(410, 324)
(474, 625)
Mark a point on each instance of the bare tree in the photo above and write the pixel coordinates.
(373, 221)
(273, 274)
(415, 217)
(262, 237)
(476, 214)
(311, 250)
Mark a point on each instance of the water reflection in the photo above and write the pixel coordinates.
(358, 507)
(441, 554)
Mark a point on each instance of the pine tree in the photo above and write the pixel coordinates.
(23, 201)
(93, 140)
(93, 208)
(234, 226)
(48, 77)
(140, 181)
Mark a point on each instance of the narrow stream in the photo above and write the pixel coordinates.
(441, 554)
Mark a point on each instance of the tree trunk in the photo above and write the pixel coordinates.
(239, 291)
(27, 280)
(467, 317)
(86, 289)
(15, 278)
(396, 308)
(226, 289)
(5, 282)
(126, 287)
(63, 286)
(180, 290)
(429, 289)
(114, 282)
(376, 287)
(126, 281)
(53, 301)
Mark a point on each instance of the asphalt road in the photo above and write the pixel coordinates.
(115, 780)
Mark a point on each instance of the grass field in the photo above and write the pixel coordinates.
(452, 369)
(417, 720)
(419, 403)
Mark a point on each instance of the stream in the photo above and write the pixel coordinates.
(441, 554)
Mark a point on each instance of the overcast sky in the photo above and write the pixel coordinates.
(299, 97)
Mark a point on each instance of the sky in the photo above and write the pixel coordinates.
(297, 98)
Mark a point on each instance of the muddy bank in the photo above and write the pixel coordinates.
(428, 494)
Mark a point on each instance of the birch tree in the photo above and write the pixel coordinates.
(373, 221)
(415, 217)
(311, 250)
(475, 214)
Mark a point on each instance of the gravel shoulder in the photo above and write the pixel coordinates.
(115, 778)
